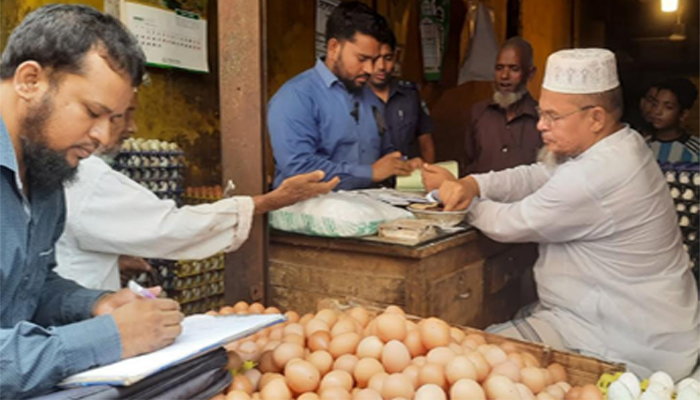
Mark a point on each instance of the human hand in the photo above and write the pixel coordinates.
(108, 303)
(433, 176)
(390, 165)
(458, 195)
(293, 190)
(415, 163)
(146, 325)
(130, 267)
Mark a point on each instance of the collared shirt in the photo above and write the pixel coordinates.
(493, 144)
(110, 214)
(406, 118)
(612, 276)
(316, 124)
(46, 329)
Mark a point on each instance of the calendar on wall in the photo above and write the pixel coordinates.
(168, 38)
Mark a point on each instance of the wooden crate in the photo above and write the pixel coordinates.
(581, 370)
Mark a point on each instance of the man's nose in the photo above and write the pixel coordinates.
(100, 131)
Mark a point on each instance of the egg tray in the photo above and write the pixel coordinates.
(194, 267)
(149, 160)
(202, 306)
(155, 174)
(686, 173)
(608, 378)
(194, 281)
(197, 293)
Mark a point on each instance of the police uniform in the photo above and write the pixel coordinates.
(407, 117)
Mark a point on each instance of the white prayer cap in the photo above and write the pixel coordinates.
(581, 71)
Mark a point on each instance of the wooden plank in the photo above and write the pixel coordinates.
(457, 298)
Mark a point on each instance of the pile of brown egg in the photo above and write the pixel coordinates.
(354, 356)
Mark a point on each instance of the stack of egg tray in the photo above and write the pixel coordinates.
(156, 165)
(202, 194)
(684, 183)
(198, 285)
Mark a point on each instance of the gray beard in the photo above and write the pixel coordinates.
(505, 100)
(549, 159)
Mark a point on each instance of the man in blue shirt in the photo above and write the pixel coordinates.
(68, 72)
(326, 118)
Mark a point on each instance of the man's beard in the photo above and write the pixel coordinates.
(505, 100)
(341, 73)
(549, 159)
(47, 169)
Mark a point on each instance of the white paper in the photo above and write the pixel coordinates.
(200, 333)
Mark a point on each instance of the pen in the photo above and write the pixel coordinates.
(140, 290)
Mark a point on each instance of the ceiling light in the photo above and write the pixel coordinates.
(669, 5)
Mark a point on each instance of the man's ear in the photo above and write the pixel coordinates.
(531, 72)
(30, 80)
(683, 116)
(332, 48)
(599, 117)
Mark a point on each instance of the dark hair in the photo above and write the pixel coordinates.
(610, 100)
(351, 17)
(526, 53)
(388, 38)
(686, 93)
(58, 37)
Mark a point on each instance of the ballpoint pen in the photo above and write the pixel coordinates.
(140, 290)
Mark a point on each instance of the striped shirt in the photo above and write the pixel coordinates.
(683, 149)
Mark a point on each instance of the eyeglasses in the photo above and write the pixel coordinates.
(551, 118)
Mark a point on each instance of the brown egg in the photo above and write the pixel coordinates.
(456, 349)
(391, 327)
(419, 361)
(376, 382)
(271, 345)
(365, 369)
(234, 360)
(328, 316)
(302, 376)
(494, 355)
(322, 360)
(590, 392)
(392, 309)
(530, 360)
(316, 325)
(335, 393)
(344, 325)
(276, 390)
(269, 377)
(341, 379)
(227, 310)
(240, 306)
(253, 376)
(564, 385)
(467, 389)
(256, 396)
(272, 310)
(457, 335)
(360, 315)
(256, 308)
(237, 395)
(556, 391)
(533, 378)
(346, 362)
(573, 394)
(292, 316)
(432, 373)
(476, 337)
(508, 369)
(434, 333)
(344, 344)
(294, 338)
(509, 347)
(285, 352)
(371, 328)
(267, 362)
(367, 394)
(459, 368)
(319, 340)
(242, 383)
(470, 344)
(543, 395)
(500, 388)
(440, 356)
(309, 396)
(395, 356)
(371, 346)
(305, 319)
(430, 392)
(525, 392)
(411, 326)
(517, 359)
(480, 364)
(277, 333)
(548, 377)
(249, 351)
(293, 328)
(558, 372)
(414, 344)
(398, 385)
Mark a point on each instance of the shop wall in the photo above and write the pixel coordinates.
(175, 106)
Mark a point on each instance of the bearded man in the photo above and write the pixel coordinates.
(326, 118)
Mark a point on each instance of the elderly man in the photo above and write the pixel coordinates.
(109, 214)
(612, 276)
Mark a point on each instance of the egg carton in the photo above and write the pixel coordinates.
(194, 267)
(191, 282)
(154, 174)
(140, 160)
(198, 293)
(202, 306)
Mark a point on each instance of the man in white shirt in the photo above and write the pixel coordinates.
(109, 214)
(613, 279)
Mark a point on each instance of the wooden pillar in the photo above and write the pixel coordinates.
(242, 91)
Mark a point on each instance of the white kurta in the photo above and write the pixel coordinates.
(109, 214)
(612, 276)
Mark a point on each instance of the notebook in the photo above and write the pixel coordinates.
(414, 182)
(200, 334)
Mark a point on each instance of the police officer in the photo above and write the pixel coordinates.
(406, 117)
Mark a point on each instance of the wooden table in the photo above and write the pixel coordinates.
(463, 278)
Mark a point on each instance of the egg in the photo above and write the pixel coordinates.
(655, 391)
(533, 378)
(558, 372)
(269, 377)
(517, 358)
(482, 366)
(253, 376)
(431, 373)
(430, 392)
(234, 360)
(548, 378)
(530, 360)
(456, 349)
(663, 381)
(322, 360)
(256, 308)
(467, 389)
(267, 362)
(319, 340)
(370, 346)
(457, 335)
(459, 368)
(256, 396)
(564, 385)
(376, 382)
(419, 361)
(335, 393)
(509, 347)
(309, 396)
(328, 316)
(434, 333)
(398, 385)
(316, 325)
(414, 343)
(305, 319)
(249, 351)
(494, 355)
(285, 352)
(412, 372)
(688, 392)
(440, 356)
(590, 392)
(508, 369)
(292, 316)
(360, 315)
(499, 387)
(341, 379)
(543, 395)
(294, 328)
(470, 344)
(395, 356)
(302, 376)
(294, 338)
(365, 369)
(344, 325)
(688, 382)
(276, 390)
(367, 394)
(573, 394)
(391, 327)
(277, 333)
(619, 391)
(241, 383)
(556, 391)
(344, 344)
(272, 310)
(525, 392)
(477, 337)
(346, 362)
(237, 395)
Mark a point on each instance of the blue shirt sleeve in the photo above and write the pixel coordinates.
(295, 138)
(64, 301)
(33, 359)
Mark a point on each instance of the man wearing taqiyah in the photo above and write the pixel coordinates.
(612, 277)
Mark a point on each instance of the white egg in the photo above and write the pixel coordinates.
(688, 393)
(663, 381)
(651, 394)
(619, 391)
(688, 382)
(631, 381)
